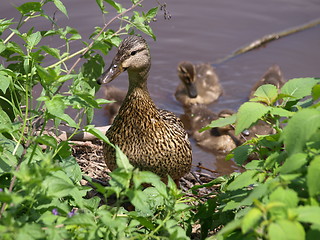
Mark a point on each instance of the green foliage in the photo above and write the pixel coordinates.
(40, 192)
(277, 196)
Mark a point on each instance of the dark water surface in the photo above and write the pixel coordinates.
(205, 31)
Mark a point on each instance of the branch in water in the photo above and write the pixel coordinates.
(268, 38)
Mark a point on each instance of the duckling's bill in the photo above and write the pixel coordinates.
(192, 90)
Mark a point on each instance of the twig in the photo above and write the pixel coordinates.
(82, 136)
(268, 38)
(102, 30)
(210, 170)
(196, 177)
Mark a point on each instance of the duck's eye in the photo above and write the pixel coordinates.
(133, 53)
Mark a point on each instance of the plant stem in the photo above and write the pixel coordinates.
(103, 29)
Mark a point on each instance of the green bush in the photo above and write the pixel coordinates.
(40, 192)
(277, 196)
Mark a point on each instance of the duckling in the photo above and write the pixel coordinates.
(219, 140)
(153, 139)
(200, 84)
(272, 76)
(117, 95)
(216, 140)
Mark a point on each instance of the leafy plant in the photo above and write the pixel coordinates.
(277, 196)
(40, 192)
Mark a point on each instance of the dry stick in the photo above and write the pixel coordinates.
(268, 38)
(210, 170)
(105, 26)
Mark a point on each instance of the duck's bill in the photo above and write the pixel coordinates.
(111, 73)
(192, 90)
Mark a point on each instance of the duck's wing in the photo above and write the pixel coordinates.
(173, 121)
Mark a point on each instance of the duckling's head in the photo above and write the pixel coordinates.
(134, 56)
(273, 76)
(186, 73)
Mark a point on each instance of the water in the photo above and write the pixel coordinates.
(205, 31)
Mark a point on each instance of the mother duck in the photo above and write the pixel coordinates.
(153, 139)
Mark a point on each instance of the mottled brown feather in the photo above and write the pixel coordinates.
(153, 139)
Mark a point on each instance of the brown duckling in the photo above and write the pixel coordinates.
(217, 140)
(117, 95)
(272, 76)
(220, 139)
(153, 139)
(199, 84)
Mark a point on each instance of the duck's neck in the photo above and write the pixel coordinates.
(138, 81)
(138, 99)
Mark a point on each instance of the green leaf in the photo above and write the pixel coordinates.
(100, 4)
(281, 112)
(5, 81)
(313, 233)
(4, 118)
(313, 176)
(47, 140)
(152, 13)
(243, 180)
(251, 220)
(294, 163)
(97, 133)
(138, 199)
(68, 120)
(299, 130)
(299, 87)
(33, 39)
(257, 193)
(30, 231)
(174, 230)
(249, 113)
(316, 92)
(221, 122)
(140, 23)
(2, 46)
(287, 196)
(67, 77)
(115, 5)
(29, 7)
(266, 93)
(56, 107)
(71, 167)
(144, 222)
(82, 219)
(308, 214)
(122, 160)
(286, 230)
(145, 177)
(46, 77)
(52, 51)
(57, 187)
(242, 153)
(4, 24)
(229, 228)
(61, 7)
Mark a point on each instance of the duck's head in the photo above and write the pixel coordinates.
(133, 56)
(187, 74)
